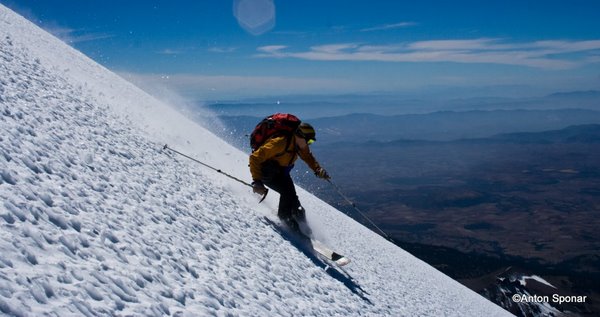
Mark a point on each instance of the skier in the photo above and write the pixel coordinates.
(271, 163)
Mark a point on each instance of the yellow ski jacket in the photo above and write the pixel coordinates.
(275, 149)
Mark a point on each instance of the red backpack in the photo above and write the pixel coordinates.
(274, 125)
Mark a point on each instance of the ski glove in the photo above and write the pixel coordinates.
(259, 188)
(322, 173)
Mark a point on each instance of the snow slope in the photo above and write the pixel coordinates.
(97, 220)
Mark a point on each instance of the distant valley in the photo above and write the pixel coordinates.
(533, 195)
(475, 207)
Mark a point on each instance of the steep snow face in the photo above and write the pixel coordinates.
(96, 219)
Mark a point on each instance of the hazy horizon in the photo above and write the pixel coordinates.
(319, 106)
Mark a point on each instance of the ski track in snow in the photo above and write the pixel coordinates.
(97, 220)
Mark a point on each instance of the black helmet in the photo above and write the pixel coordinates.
(306, 131)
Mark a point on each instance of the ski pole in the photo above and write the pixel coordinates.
(166, 147)
(339, 191)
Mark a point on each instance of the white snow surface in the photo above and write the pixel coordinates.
(523, 280)
(97, 220)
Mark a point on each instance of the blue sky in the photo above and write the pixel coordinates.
(219, 49)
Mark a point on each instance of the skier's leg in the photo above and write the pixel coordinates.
(290, 211)
(280, 181)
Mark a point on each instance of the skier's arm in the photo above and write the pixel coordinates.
(307, 156)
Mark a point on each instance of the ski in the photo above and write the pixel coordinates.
(329, 254)
(319, 249)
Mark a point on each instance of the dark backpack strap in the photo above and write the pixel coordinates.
(288, 141)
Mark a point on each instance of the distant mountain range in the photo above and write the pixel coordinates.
(437, 126)
(310, 107)
(588, 133)
(576, 94)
